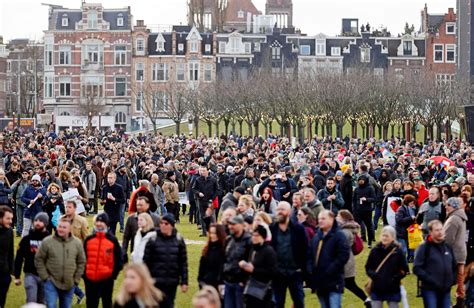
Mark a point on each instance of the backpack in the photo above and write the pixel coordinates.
(358, 245)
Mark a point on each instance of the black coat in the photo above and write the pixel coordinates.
(346, 190)
(366, 191)
(6, 251)
(403, 221)
(387, 280)
(236, 250)
(327, 275)
(112, 208)
(299, 242)
(206, 186)
(211, 266)
(131, 228)
(26, 252)
(167, 260)
(222, 184)
(264, 261)
(435, 266)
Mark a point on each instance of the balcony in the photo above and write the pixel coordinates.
(92, 66)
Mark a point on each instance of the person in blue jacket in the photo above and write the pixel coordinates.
(33, 199)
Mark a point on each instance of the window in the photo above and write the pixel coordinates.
(407, 48)
(276, 53)
(194, 45)
(320, 47)
(442, 79)
(305, 50)
(139, 71)
(240, 14)
(180, 47)
(120, 55)
(335, 51)
(92, 20)
(438, 53)
(451, 28)
(9, 87)
(64, 55)
(139, 101)
(65, 114)
(160, 46)
(247, 47)
(120, 86)
(92, 86)
(120, 118)
(65, 21)
(208, 72)
(160, 102)
(140, 46)
(120, 20)
(257, 47)
(235, 44)
(93, 54)
(207, 48)
(9, 66)
(365, 54)
(450, 53)
(160, 72)
(222, 47)
(48, 86)
(180, 71)
(48, 55)
(193, 71)
(65, 86)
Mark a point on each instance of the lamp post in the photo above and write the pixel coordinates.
(13, 120)
(90, 121)
(100, 120)
(52, 121)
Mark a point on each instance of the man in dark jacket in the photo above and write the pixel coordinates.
(33, 198)
(124, 181)
(6, 251)
(232, 198)
(222, 182)
(131, 227)
(113, 198)
(167, 260)
(362, 201)
(331, 197)
(435, 267)
(320, 177)
(291, 245)
(329, 253)
(103, 263)
(205, 190)
(237, 249)
(26, 252)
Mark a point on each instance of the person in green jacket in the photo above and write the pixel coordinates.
(60, 263)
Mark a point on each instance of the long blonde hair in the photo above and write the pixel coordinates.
(149, 295)
(149, 222)
(209, 293)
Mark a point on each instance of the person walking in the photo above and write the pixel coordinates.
(137, 289)
(455, 236)
(25, 258)
(145, 233)
(79, 225)
(33, 198)
(261, 267)
(60, 263)
(124, 181)
(329, 252)
(431, 210)
(435, 266)
(404, 218)
(351, 230)
(103, 263)
(212, 259)
(113, 197)
(158, 194)
(6, 251)
(237, 249)
(363, 199)
(143, 190)
(89, 179)
(53, 205)
(167, 260)
(291, 246)
(205, 189)
(171, 190)
(330, 196)
(386, 266)
(18, 188)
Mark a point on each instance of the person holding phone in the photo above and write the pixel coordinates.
(113, 196)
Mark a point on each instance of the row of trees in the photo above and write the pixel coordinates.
(315, 104)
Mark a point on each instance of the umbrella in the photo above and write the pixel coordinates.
(437, 160)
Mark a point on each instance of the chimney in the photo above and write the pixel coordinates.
(140, 23)
(451, 11)
(424, 19)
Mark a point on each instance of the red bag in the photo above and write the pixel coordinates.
(215, 203)
(358, 245)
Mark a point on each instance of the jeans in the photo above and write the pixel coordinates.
(169, 293)
(331, 300)
(96, 290)
(26, 226)
(4, 285)
(470, 293)
(192, 212)
(435, 299)
(377, 215)
(52, 294)
(122, 215)
(19, 219)
(294, 282)
(406, 252)
(233, 295)
(379, 304)
(34, 289)
(78, 291)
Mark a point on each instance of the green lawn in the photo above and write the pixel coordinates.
(16, 295)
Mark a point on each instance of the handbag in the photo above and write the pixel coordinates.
(256, 288)
(368, 285)
(415, 236)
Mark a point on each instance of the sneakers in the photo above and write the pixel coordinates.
(369, 246)
(80, 299)
(411, 259)
(368, 302)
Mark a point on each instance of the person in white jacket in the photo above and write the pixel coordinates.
(146, 232)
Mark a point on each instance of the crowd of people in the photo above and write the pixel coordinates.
(276, 216)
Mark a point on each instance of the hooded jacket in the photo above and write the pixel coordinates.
(229, 201)
(27, 249)
(29, 194)
(455, 234)
(365, 190)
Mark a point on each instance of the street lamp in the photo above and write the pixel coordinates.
(13, 119)
(90, 121)
(100, 120)
(52, 121)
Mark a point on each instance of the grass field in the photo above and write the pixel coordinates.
(16, 294)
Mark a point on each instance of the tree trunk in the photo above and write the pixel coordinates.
(385, 131)
(379, 128)
(196, 126)
(177, 127)
(226, 126)
(448, 130)
(354, 129)
(413, 132)
(241, 122)
(249, 125)
(439, 129)
(295, 130)
(233, 127)
(217, 127)
(265, 125)
(209, 128)
(322, 130)
(316, 127)
(282, 129)
(309, 132)
(270, 127)
(393, 130)
(256, 128)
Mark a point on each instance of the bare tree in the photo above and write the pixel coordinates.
(91, 104)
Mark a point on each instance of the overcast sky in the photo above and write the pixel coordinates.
(27, 18)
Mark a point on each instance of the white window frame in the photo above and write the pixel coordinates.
(240, 14)
(159, 96)
(256, 47)
(276, 53)
(247, 48)
(92, 20)
(48, 55)
(65, 86)
(207, 47)
(439, 51)
(453, 50)
(411, 47)
(140, 46)
(305, 50)
(160, 72)
(94, 53)
(365, 54)
(160, 46)
(120, 21)
(449, 24)
(48, 86)
(180, 72)
(140, 66)
(65, 53)
(120, 54)
(124, 78)
(208, 72)
(193, 46)
(193, 70)
(320, 47)
(181, 47)
(222, 47)
(64, 21)
(335, 51)
(139, 101)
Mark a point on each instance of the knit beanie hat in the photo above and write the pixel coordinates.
(43, 217)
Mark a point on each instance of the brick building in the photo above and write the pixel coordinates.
(3, 75)
(87, 66)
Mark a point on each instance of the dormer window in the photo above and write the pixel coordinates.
(240, 14)
(207, 48)
(180, 47)
(193, 46)
(407, 48)
(92, 20)
(65, 21)
(120, 20)
(160, 43)
(451, 28)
